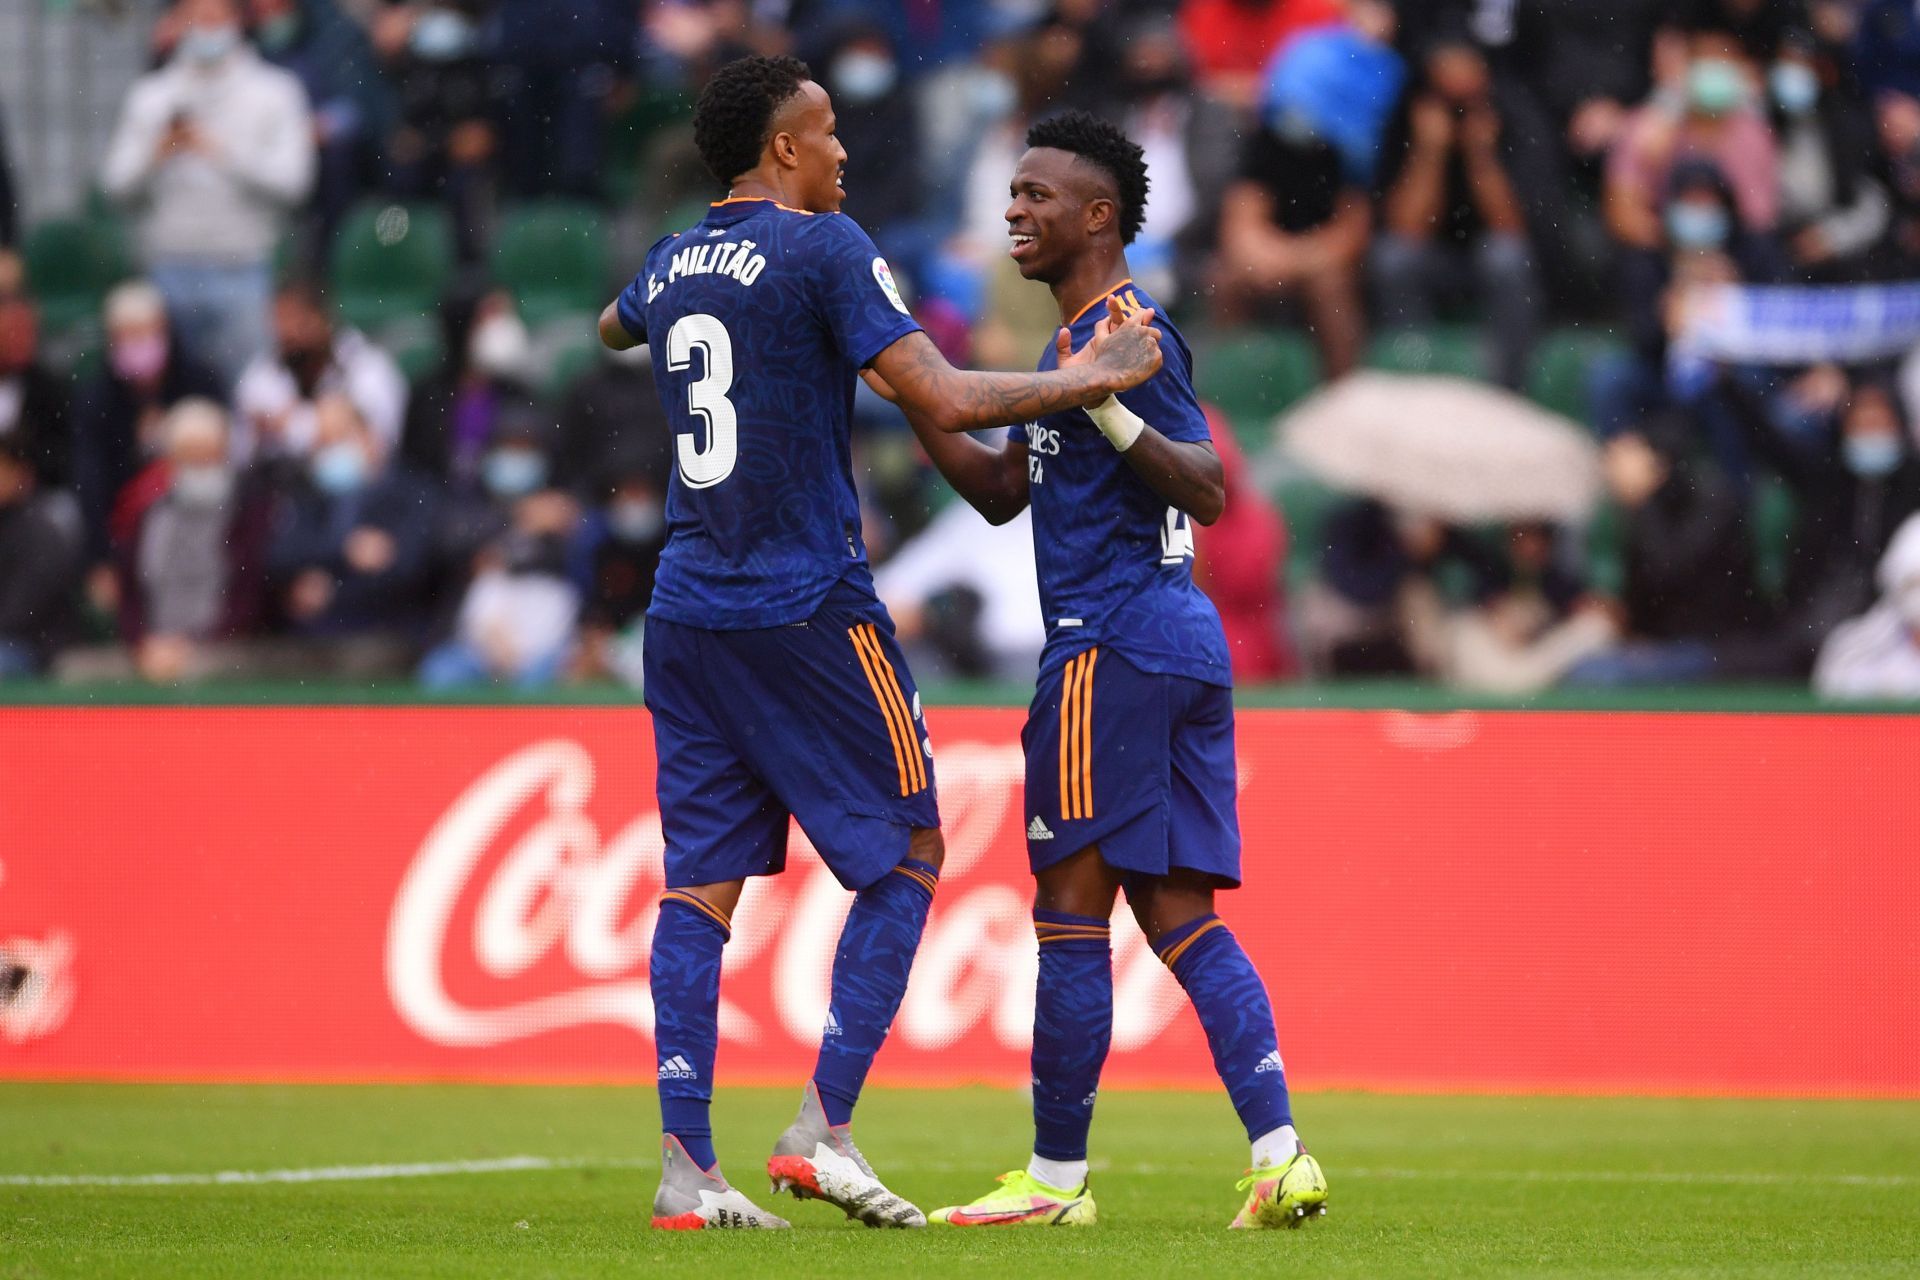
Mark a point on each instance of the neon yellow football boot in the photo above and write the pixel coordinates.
(1286, 1195)
(1022, 1200)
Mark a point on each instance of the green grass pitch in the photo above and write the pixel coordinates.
(1421, 1186)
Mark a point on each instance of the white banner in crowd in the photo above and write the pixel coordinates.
(1790, 324)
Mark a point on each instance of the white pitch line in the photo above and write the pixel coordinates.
(542, 1164)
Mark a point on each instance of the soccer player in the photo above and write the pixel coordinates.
(1129, 741)
(771, 671)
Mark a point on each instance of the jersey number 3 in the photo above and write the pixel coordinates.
(706, 397)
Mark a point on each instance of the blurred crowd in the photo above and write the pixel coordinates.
(336, 407)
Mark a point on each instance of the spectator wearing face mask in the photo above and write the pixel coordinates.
(453, 413)
(212, 151)
(623, 545)
(1834, 213)
(118, 412)
(1850, 495)
(33, 404)
(1877, 655)
(443, 144)
(192, 559)
(278, 395)
(353, 537)
(37, 563)
(1709, 110)
(878, 121)
(518, 608)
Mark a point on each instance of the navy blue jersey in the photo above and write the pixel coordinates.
(1115, 561)
(760, 319)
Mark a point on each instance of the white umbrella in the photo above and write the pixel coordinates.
(1462, 451)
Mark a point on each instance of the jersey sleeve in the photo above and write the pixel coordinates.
(855, 292)
(1167, 401)
(631, 307)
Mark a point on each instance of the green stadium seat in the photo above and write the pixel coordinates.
(1560, 370)
(1606, 557)
(391, 262)
(1458, 350)
(1775, 516)
(71, 264)
(1305, 503)
(1254, 375)
(553, 256)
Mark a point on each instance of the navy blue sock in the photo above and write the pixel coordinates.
(685, 976)
(1238, 1018)
(1072, 1027)
(870, 968)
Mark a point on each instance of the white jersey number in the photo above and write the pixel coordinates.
(1176, 538)
(703, 468)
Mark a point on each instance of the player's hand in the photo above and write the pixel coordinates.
(881, 387)
(1126, 349)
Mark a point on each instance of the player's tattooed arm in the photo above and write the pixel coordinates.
(993, 481)
(951, 399)
(613, 334)
(1187, 473)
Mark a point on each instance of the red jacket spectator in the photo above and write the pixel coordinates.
(1230, 41)
(1242, 556)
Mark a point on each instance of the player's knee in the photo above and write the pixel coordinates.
(927, 845)
(1164, 903)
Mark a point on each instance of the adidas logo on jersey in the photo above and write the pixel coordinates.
(833, 1025)
(1038, 830)
(1270, 1063)
(677, 1068)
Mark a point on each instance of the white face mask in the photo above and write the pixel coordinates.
(204, 46)
(202, 486)
(501, 347)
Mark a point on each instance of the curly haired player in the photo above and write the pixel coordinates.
(775, 685)
(1129, 740)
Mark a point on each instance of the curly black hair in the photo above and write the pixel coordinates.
(1103, 145)
(735, 112)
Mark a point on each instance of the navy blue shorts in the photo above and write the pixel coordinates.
(1139, 763)
(818, 720)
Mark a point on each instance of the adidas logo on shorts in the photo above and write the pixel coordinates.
(833, 1025)
(1038, 830)
(1270, 1063)
(677, 1068)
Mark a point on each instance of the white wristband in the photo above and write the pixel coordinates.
(1119, 424)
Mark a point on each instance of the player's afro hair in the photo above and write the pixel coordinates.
(735, 112)
(1101, 144)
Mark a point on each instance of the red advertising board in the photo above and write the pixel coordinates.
(1463, 901)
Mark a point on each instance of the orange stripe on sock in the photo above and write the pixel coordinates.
(886, 713)
(1205, 929)
(917, 765)
(920, 877)
(699, 904)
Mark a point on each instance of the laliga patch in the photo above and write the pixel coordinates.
(883, 276)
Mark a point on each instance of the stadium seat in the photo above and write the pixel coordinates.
(553, 256)
(1253, 375)
(71, 263)
(1775, 515)
(1450, 349)
(1305, 504)
(1606, 556)
(391, 262)
(1560, 365)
